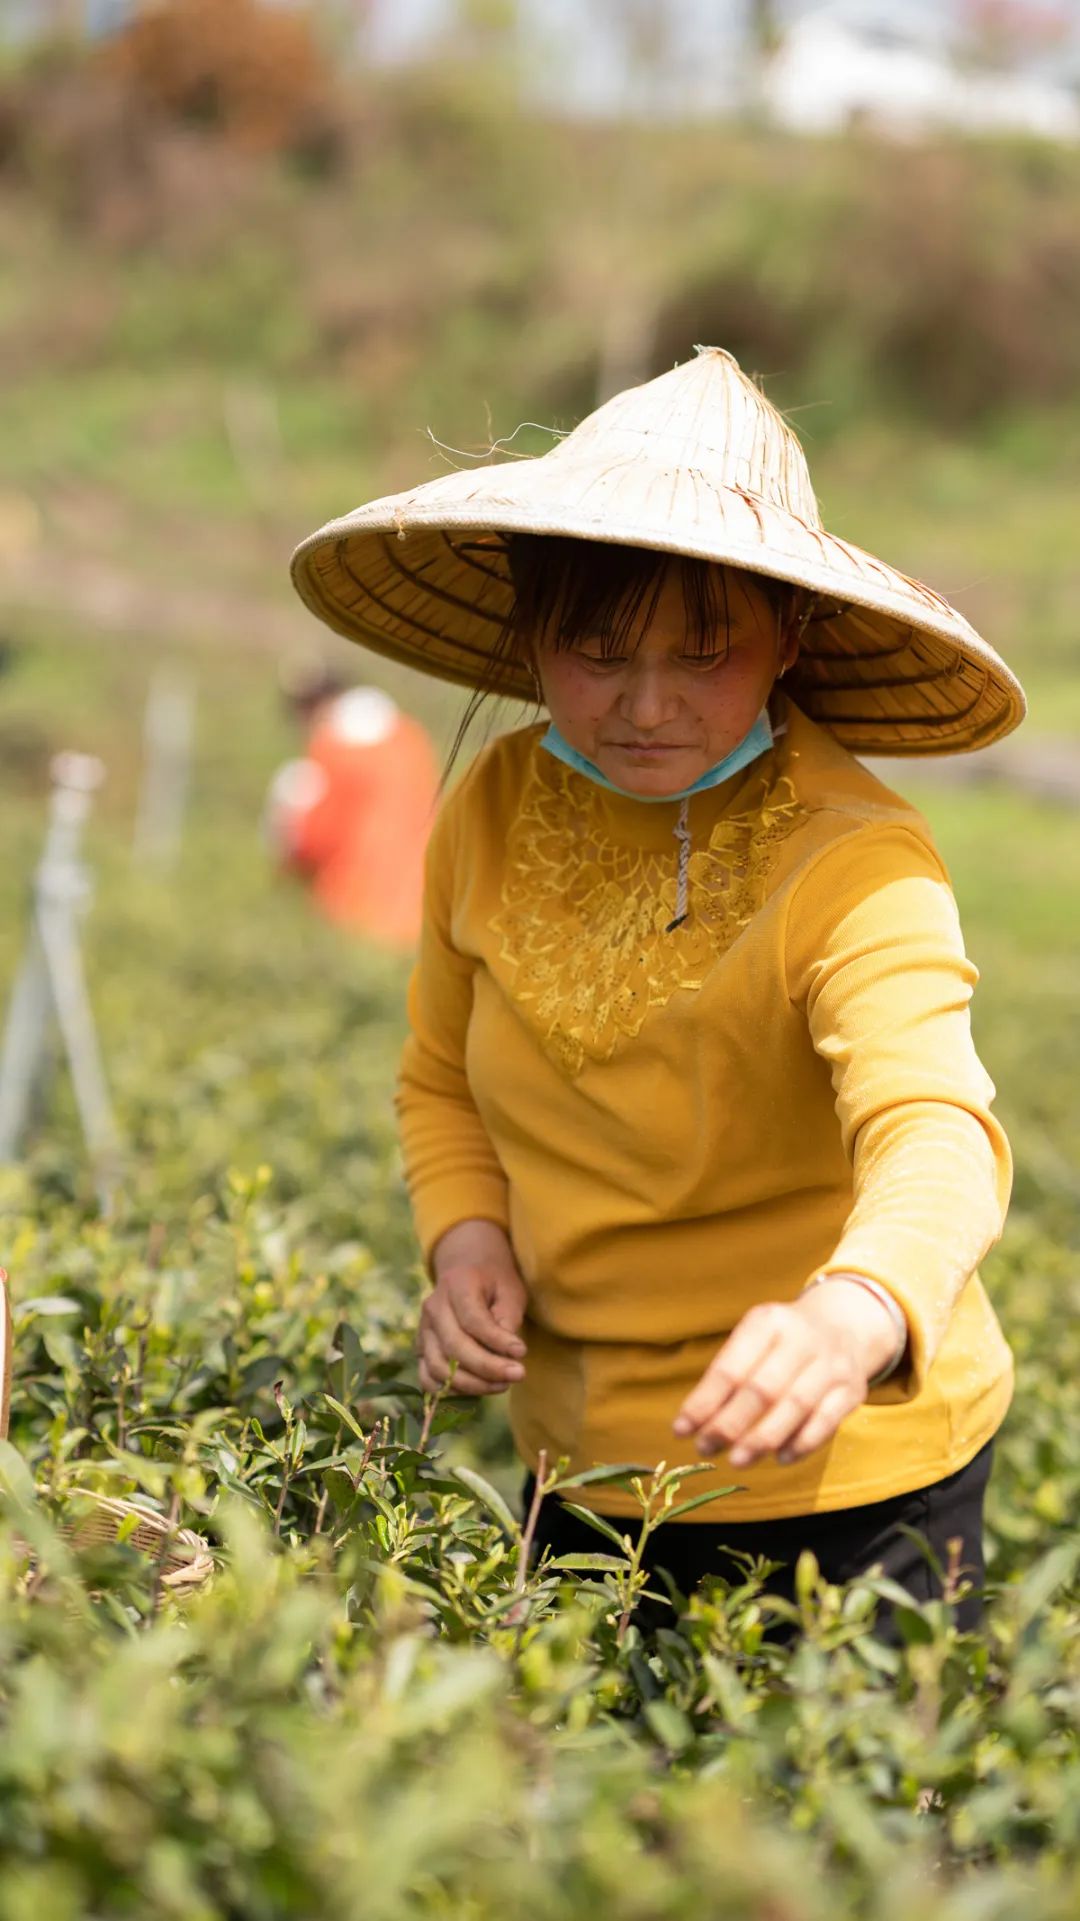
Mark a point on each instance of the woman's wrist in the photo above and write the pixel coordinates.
(472, 1242)
(881, 1329)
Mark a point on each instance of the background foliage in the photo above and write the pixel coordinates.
(225, 325)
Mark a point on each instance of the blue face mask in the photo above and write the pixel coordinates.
(756, 742)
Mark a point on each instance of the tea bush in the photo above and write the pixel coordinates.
(376, 1707)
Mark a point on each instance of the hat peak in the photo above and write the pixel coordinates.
(704, 417)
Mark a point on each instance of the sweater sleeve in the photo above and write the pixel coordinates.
(875, 957)
(451, 1168)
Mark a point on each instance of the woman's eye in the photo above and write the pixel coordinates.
(601, 660)
(701, 660)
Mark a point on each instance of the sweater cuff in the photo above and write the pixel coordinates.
(909, 1378)
(442, 1204)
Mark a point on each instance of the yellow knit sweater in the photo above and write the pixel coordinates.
(674, 1125)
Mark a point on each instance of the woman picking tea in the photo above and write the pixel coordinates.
(700, 1151)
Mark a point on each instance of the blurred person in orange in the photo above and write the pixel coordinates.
(352, 816)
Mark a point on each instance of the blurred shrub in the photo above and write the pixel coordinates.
(131, 140)
(456, 255)
(941, 277)
(250, 72)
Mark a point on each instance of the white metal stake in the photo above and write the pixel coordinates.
(168, 732)
(51, 983)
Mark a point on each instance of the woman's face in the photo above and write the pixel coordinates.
(655, 718)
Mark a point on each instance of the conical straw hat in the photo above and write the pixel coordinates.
(695, 462)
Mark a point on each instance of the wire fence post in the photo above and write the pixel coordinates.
(168, 733)
(50, 989)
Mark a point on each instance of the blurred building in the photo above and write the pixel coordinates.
(854, 62)
(816, 66)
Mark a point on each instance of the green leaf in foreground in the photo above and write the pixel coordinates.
(698, 1500)
(489, 1496)
(597, 1521)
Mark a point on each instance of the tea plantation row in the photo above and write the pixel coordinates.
(373, 1708)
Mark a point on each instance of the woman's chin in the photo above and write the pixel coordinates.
(653, 790)
(647, 777)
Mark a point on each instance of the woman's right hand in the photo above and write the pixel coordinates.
(473, 1312)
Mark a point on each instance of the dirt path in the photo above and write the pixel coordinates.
(1047, 768)
(95, 596)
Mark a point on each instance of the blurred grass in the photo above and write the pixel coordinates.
(212, 351)
(209, 354)
(213, 348)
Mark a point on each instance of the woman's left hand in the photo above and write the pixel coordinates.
(789, 1373)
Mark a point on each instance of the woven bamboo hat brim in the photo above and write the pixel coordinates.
(695, 462)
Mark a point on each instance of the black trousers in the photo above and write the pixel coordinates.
(846, 1541)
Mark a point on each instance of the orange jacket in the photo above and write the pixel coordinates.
(355, 814)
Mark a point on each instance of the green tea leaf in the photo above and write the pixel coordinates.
(594, 1520)
(597, 1476)
(610, 1563)
(343, 1414)
(670, 1725)
(698, 1500)
(489, 1496)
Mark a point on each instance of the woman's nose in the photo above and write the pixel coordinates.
(648, 698)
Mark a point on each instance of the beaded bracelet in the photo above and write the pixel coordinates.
(887, 1300)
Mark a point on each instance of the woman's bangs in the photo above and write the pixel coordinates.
(706, 607)
(573, 590)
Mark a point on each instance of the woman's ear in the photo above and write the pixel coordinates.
(793, 624)
(791, 651)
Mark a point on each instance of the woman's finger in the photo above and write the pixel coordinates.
(434, 1373)
(771, 1381)
(508, 1300)
(476, 1317)
(458, 1345)
(803, 1396)
(723, 1429)
(821, 1425)
(734, 1363)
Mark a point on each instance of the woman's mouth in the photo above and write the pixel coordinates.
(648, 750)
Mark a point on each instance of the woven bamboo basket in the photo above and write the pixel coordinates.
(184, 1557)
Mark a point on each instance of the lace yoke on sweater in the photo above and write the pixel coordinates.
(584, 922)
